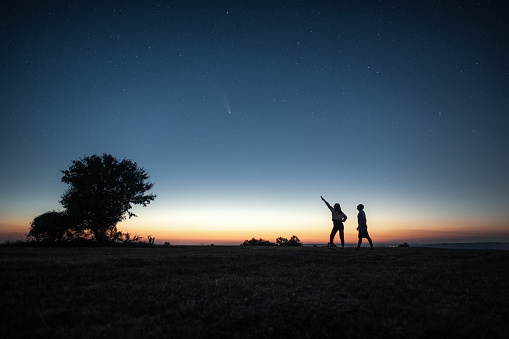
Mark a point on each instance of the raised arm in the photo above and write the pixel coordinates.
(326, 203)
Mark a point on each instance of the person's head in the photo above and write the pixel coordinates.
(360, 207)
(337, 208)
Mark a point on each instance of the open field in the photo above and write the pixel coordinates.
(244, 292)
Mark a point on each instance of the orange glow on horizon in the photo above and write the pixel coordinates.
(314, 229)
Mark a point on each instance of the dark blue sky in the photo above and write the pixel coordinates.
(244, 113)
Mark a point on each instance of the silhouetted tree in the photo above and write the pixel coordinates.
(102, 191)
(281, 241)
(294, 241)
(255, 242)
(51, 226)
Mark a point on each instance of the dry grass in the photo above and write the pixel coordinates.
(253, 292)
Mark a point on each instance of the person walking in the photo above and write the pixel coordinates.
(363, 227)
(338, 218)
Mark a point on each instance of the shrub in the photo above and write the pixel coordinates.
(294, 241)
(255, 242)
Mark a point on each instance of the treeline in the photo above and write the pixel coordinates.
(293, 241)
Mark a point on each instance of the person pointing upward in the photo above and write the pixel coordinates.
(338, 217)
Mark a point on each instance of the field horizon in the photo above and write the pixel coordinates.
(252, 291)
(8, 238)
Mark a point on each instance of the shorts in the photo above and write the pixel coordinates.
(363, 232)
(338, 225)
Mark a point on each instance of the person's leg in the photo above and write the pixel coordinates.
(359, 243)
(370, 242)
(332, 235)
(342, 237)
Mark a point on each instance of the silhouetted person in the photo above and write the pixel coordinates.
(338, 217)
(363, 227)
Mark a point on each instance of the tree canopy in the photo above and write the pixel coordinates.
(51, 226)
(102, 193)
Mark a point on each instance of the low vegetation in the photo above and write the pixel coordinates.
(280, 241)
(252, 291)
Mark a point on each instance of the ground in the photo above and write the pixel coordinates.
(243, 291)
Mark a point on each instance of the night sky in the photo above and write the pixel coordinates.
(245, 112)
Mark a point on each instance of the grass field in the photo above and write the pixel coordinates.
(241, 291)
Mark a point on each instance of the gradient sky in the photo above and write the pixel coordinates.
(245, 112)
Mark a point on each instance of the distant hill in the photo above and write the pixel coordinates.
(469, 246)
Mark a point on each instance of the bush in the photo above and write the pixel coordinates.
(52, 226)
(255, 242)
(294, 241)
